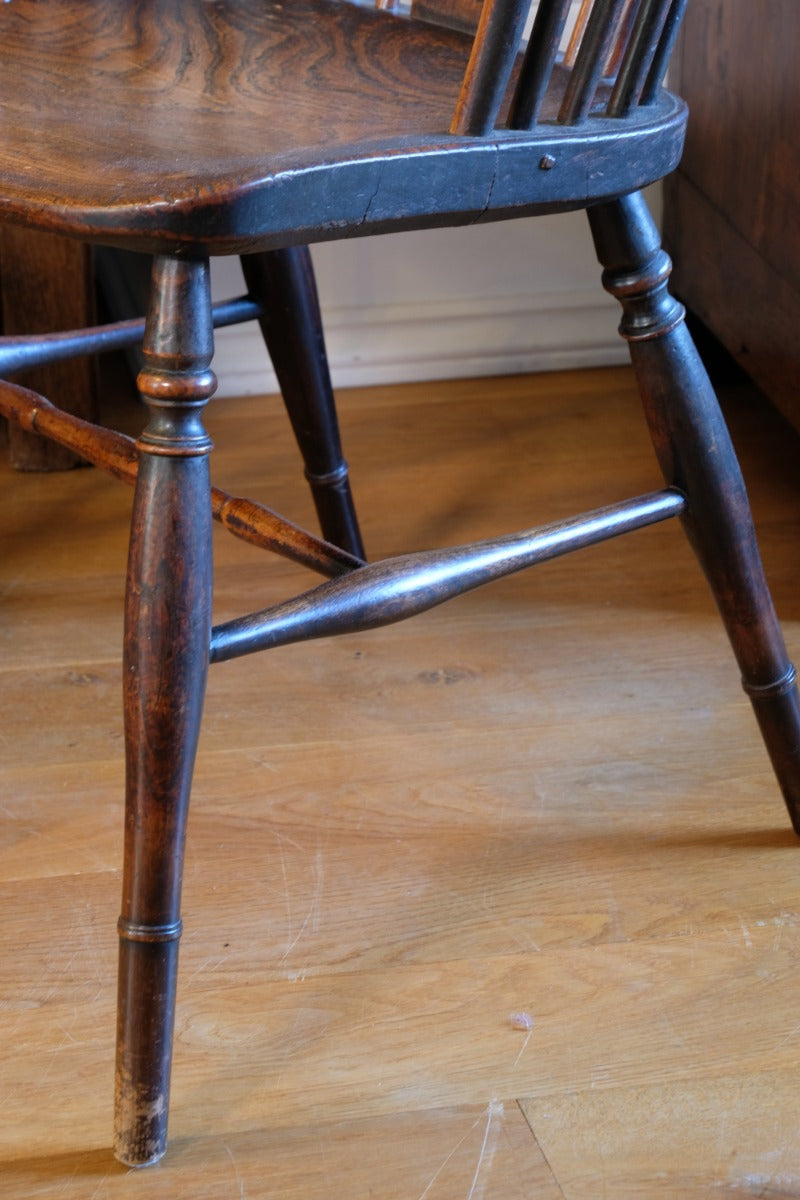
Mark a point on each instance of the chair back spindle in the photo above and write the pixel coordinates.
(494, 52)
(625, 44)
(578, 30)
(638, 56)
(661, 58)
(538, 63)
(593, 54)
(621, 40)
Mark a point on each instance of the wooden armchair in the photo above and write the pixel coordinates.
(183, 130)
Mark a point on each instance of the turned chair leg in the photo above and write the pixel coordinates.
(696, 455)
(283, 280)
(167, 636)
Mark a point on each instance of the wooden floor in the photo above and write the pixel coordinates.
(502, 903)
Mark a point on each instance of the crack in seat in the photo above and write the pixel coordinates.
(248, 124)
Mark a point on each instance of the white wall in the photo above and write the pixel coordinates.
(514, 296)
(503, 298)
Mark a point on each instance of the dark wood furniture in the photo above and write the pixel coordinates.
(182, 129)
(732, 209)
(46, 284)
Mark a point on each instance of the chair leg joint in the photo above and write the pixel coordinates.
(135, 931)
(767, 691)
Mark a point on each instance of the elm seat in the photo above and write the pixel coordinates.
(187, 128)
(160, 125)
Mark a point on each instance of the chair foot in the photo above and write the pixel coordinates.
(696, 455)
(283, 280)
(147, 978)
(777, 710)
(167, 637)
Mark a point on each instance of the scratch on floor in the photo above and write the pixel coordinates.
(287, 899)
(787, 1037)
(312, 917)
(616, 930)
(523, 1047)
(455, 1150)
(98, 1190)
(209, 964)
(239, 1180)
(780, 922)
(488, 1148)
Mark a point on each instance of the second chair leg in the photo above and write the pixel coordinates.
(283, 280)
(696, 455)
(167, 637)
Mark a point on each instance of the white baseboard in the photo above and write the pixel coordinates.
(473, 336)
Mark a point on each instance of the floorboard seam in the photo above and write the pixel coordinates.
(540, 1148)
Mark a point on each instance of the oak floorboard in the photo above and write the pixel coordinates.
(255, 1050)
(698, 1138)
(436, 1155)
(548, 800)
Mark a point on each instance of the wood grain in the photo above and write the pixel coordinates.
(714, 262)
(47, 285)
(289, 123)
(437, 1155)
(709, 1131)
(731, 215)
(551, 800)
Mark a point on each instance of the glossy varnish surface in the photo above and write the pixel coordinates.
(250, 77)
(550, 801)
(248, 123)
